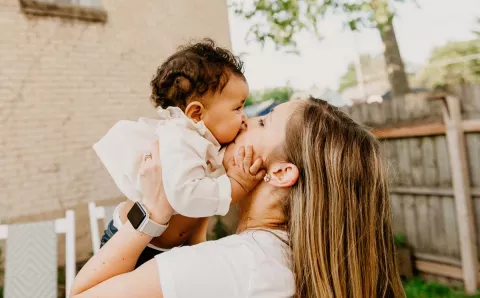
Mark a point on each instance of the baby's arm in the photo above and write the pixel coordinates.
(183, 155)
(189, 190)
(120, 151)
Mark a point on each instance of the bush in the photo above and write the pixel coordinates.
(417, 288)
(220, 230)
(400, 240)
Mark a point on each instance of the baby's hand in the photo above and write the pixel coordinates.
(244, 175)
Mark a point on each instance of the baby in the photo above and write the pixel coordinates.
(199, 93)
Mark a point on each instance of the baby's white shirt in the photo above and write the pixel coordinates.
(194, 178)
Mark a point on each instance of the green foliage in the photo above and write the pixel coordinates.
(279, 21)
(220, 230)
(348, 79)
(249, 101)
(400, 240)
(445, 66)
(280, 94)
(417, 288)
(477, 31)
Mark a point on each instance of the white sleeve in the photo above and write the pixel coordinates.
(120, 151)
(183, 154)
(206, 270)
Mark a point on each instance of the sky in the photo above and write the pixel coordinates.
(419, 29)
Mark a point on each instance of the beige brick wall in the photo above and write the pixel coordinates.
(64, 83)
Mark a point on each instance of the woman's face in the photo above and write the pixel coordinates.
(265, 133)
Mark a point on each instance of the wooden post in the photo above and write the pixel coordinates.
(461, 185)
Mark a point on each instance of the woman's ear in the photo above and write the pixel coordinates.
(194, 111)
(283, 174)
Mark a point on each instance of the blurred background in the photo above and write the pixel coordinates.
(70, 69)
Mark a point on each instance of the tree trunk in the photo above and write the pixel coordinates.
(393, 60)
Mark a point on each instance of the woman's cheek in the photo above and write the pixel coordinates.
(256, 142)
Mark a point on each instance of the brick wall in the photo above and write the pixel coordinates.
(64, 82)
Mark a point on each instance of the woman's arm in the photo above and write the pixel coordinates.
(109, 272)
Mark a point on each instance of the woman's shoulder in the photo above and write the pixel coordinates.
(259, 244)
(252, 263)
(266, 256)
(272, 276)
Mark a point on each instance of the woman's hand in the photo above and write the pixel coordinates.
(151, 184)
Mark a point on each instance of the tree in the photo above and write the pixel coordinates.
(477, 31)
(279, 21)
(452, 64)
(373, 69)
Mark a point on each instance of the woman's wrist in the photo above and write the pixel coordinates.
(160, 211)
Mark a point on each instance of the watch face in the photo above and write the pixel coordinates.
(136, 215)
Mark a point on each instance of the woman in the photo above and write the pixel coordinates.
(318, 226)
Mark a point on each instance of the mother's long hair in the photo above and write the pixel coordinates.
(338, 213)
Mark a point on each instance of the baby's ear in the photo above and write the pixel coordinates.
(194, 111)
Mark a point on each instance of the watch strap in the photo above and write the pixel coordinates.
(152, 228)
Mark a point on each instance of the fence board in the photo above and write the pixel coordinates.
(397, 214)
(473, 151)
(452, 248)
(400, 106)
(476, 206)
(443, 162)
(473, 155)
(476, 99)
(421, 202)
(409, 212)
(391, 160)
(390, 114)
(469, 96)
(404, 176)
(416, 162)
(423, 224)
(436, 230)
(377, 117)
(438, 236)
(452, 245)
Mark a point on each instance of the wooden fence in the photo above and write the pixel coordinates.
(412, 133)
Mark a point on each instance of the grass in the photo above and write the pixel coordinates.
(417, 288)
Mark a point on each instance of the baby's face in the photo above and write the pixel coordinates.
(224, 115)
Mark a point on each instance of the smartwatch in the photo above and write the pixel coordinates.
(140, 220)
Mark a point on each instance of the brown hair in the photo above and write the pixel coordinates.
(338, 213)
(193, 71)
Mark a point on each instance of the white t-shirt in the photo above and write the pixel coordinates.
(194, 178)
(254, 263)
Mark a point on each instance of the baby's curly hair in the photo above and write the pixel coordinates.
(194, 70)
